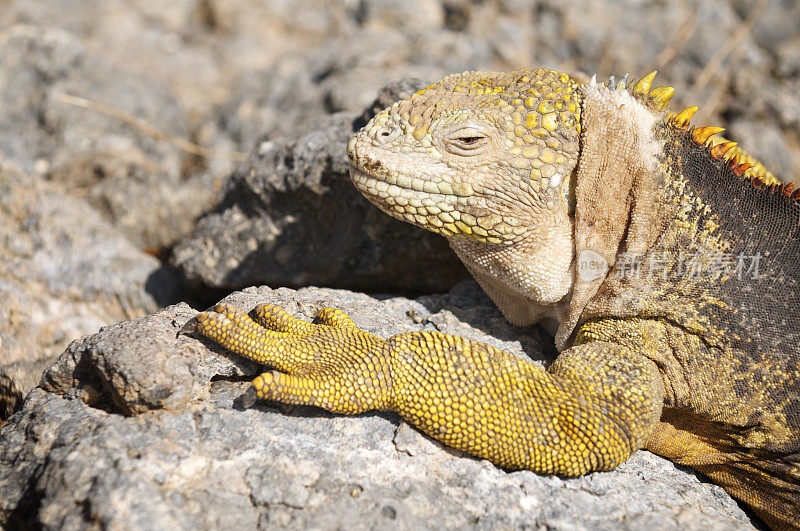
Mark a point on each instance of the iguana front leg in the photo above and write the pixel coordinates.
(596, 405)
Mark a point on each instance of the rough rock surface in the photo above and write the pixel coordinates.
(134, 428)
(290, 216)
(64, 272)
(132, 179)
(82, 197)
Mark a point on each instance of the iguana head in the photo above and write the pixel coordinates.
(486, 160)
(475, 156)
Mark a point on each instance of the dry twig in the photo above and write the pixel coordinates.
(181, 143)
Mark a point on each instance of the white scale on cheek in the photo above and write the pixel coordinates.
(555, 180)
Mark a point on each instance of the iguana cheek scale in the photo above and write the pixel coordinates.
(670, 343)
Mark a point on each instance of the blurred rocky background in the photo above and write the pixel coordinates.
(158, 152)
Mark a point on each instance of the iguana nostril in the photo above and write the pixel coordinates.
(387, 133)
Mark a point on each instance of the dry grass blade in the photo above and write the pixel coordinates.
(181, 143)
(736, 38)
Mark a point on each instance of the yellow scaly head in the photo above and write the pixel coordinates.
(476, 155)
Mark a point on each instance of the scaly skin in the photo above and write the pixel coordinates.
(527, 174)
(469, 395)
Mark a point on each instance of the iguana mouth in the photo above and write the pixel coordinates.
(384, 183)
(447, 214)
(433, 203)
(373, 177)
(412, 199)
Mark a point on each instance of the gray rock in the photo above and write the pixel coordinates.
(135, 428)
(82, 195)
(150, 208)
(37, 65)
(64, 273)
(290, 216)
(17, 379)
(134, 180)
(776, 21)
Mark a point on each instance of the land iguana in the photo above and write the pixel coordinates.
(667, 262)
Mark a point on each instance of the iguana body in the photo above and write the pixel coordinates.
(669, 268)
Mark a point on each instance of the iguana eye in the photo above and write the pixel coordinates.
(468, 142)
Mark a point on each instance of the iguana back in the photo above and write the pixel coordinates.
(705, 248)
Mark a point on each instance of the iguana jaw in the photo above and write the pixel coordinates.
(416, 201)
(530, 275)
(483, 157)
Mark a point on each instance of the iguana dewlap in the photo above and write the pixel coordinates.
(668, 262)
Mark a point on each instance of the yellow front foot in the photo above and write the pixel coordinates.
(596, 406)
(329, 363)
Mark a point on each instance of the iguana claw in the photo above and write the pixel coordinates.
(329, 363)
